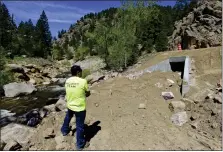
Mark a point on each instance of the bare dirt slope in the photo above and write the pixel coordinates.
(116, 123)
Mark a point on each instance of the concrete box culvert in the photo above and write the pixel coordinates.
(174, 64)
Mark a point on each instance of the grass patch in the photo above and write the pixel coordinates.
(24, 61)
(66, 63)
(6, 77)
(85, 73)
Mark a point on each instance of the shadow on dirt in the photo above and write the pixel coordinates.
(90, 131)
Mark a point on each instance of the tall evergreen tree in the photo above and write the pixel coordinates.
(43, 37)
(7, 27)
(161, 42)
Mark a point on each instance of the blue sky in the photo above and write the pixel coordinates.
(61, 14)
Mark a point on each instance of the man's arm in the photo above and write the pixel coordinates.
(87, 91)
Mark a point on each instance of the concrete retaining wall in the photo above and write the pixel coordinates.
(186, 77)
(165, 66)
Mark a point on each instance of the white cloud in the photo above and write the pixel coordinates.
(62, 6)
(56, 11)
(61, 21)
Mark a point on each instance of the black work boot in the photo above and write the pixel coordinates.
(87, 144)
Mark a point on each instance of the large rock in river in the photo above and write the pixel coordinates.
(15, 89)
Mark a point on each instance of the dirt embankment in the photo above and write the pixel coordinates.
(115, 120)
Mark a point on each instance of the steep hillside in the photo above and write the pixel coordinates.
(120, 35)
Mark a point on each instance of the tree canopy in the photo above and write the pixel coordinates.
(118, 35)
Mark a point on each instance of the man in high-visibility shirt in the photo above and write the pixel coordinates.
(76, 93)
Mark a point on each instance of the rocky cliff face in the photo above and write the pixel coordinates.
(201, 28)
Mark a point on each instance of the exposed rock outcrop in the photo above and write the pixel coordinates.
(201, 28)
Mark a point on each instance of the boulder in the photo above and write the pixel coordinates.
(195, 124)
(170, 82)
(31, 118)
(15, 68)
(15, 89)
(142, 106)
(54, 80)
(94, 78)
(209, 96)
(177, 106)
(50, 108)
(214, 125)
(33, 70)
(43, 113)
(17, 132)
(46, 83)
(12, 145)
(60, 105)
(61, 81)
(2, 145)
(218, 99)
(26, 70)
(194, 116)
(93, 63)
(33, 121)
(5, 113)
(57, 89)
(219, 84)
(45, 74)
(49, 133)
(23, 76)
(6, 120)
(32, 81)
(167, 95)
(30, 66)
(179, 118)
(114, 74)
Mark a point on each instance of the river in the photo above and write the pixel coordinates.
(38, 99)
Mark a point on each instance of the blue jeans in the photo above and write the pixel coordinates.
(80, 117)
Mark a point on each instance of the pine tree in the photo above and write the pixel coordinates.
(161, 42)
(43, 37)
(26, 38)
(6, 27)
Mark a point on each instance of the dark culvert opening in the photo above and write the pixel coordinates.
(177, 65)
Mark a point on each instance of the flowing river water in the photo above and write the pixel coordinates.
(25, 103)
(45, 95)
(38, 99)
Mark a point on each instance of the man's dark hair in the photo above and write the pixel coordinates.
(75, 69)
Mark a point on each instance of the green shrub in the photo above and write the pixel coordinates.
(69, 54)
(85, 73)
(81, 52)
(5, 77)
(2, 59)
(2, 64)
(66, 63)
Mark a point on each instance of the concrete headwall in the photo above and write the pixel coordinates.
(185, 85)
(165, 66)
